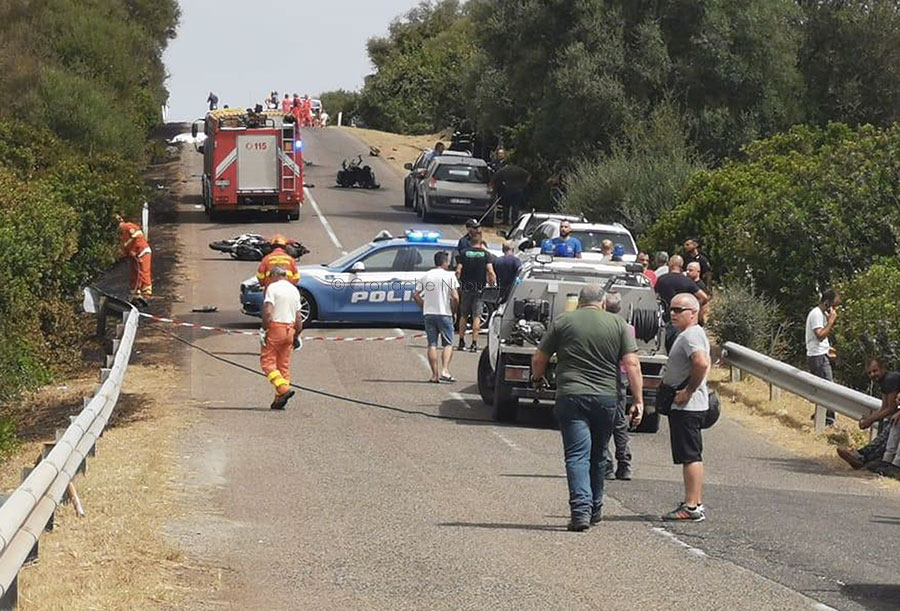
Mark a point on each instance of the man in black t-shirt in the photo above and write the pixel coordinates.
(507, 268)
(510, 183)
(692, 254)
(869, 456)
(474, 269)
(674, 283)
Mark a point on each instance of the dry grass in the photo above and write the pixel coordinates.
(786, 421)
(117, 557)
(396, 149)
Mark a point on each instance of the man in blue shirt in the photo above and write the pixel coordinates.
(565, 245)
(507, 269)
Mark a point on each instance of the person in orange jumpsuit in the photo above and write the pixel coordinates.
(281, 324)
(286, 104)
(297, 109)
(135, 246)
(277, 258)
(306, 111)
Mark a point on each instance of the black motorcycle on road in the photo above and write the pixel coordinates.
(353, 173)
(253, 247)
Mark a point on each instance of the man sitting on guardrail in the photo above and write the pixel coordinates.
(870, 455)
(819, 325)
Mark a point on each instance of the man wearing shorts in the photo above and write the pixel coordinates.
(474, 270)
(437, 294)
(686, 370)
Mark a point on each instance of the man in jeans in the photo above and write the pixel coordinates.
(819, 324)
(686, 370)
(437, 294)
(589, 344)
(612, 303)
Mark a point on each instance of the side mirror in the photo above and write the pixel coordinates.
(526, 244)
(357, 267)
(407, 166)
(194, 129)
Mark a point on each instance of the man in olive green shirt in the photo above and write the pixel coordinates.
(589, 344)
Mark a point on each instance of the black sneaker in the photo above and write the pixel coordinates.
(596, 516)
(462, 346)
(624, 473)
(579, 524)
(473, 347)
(610, 474)
(282, 400)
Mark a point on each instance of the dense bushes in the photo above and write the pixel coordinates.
(81, 85)
(739, 314)
(807, 209)
(868, 324)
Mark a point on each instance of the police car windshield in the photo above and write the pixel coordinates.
(350, 256)
(593, 240)
(460, 172)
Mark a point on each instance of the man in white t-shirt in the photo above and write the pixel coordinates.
(281, 323)
(437, 293)
(819, 324)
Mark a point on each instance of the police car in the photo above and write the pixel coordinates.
(372, 284)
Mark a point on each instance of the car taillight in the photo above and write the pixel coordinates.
(432, 184)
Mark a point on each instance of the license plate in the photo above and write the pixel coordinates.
(460, 200)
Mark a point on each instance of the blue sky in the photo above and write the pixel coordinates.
(244, 49)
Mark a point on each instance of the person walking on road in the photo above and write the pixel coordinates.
(277, 258)
(281, 324)
(819, 325)
(686, 370)
(612, 303)
(589, 344)
(136, 247)
(438, 295)
(510, 183)
(870, 455)
(213, 101)
(474, 270)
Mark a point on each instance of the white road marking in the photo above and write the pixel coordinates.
(512, 444)
(324, 221)
(823, 607)
(690, 548)
(425, 360)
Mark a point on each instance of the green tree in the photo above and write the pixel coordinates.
(807, 209)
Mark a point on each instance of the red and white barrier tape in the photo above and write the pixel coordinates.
(306, 338)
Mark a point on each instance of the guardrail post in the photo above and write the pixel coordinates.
(820, 419)
(735, 374)
(101, 316)
(10, 599)
(774, 393)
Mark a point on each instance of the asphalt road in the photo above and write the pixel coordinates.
(335, 505)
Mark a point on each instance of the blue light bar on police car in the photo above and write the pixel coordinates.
(422, 236)
(298, 145)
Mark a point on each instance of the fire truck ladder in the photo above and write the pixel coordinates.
(287, 149)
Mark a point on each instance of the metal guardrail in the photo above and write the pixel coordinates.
(29, 510)
(826, 395)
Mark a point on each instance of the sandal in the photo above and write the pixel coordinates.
(447, 379)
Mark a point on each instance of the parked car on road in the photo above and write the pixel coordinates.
(417, 170)
(455, 186)
(591, 236)
(529, 221)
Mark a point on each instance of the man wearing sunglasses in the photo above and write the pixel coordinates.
(686, 370)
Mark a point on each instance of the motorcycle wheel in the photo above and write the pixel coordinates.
(221, 246)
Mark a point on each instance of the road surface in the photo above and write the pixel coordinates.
(331, 505)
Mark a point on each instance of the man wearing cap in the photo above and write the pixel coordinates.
(281, 322)
(564, 245)
(277, 258)
(473, 227)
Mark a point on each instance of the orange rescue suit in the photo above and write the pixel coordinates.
(136, 247)
(277, 258)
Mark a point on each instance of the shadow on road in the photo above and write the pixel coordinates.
(804, 465)
(875, 596)
(506, 526)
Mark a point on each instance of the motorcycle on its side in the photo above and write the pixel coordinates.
(353, 173)
(253, 247)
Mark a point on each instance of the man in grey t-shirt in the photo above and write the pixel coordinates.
(686, 370)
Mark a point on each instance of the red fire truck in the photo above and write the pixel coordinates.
(251, 161)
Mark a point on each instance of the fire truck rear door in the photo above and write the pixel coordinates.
(257, 165)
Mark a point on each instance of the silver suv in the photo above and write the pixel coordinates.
(539, 295)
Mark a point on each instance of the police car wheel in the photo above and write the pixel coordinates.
(307, 306)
